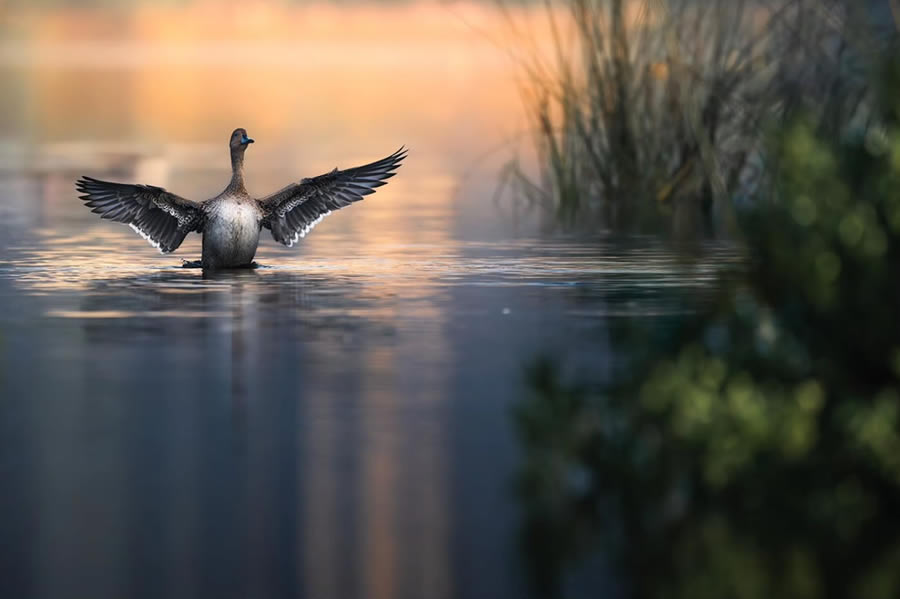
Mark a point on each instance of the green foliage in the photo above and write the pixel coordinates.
(759, 455)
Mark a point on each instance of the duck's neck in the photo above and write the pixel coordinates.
(237, 171)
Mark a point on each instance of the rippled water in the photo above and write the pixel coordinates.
(334, 423)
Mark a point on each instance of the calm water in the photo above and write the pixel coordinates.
(333, 424)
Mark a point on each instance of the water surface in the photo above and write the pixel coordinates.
(332, 424)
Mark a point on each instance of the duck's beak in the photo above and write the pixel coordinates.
(246, 140)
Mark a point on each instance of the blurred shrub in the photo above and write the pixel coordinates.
(758, 455)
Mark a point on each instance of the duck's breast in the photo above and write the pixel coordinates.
(231, 233)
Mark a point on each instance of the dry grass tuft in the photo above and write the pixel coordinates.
(653, 111)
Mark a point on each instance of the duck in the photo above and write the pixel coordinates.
(232, 221)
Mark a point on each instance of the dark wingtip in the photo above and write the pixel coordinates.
(396, 159)
(86, 184)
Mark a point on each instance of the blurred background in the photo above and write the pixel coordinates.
(622, 325)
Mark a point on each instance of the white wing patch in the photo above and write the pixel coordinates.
(147, 237)
(307, 229)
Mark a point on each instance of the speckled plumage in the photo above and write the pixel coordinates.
(231, 233)
(231, 221)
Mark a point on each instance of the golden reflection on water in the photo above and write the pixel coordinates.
(338, 75)
(151, 94)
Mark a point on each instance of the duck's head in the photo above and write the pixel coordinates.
(239, 139)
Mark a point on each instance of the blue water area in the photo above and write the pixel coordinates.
(334, 423)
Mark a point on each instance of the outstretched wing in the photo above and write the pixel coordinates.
(162, 218)
(292, 212)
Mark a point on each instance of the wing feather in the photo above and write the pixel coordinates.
(292, 212)
(162, 218)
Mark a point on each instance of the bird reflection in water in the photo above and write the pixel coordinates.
(238, 454)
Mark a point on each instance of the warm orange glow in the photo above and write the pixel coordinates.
(318, 69)
(153, 91)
